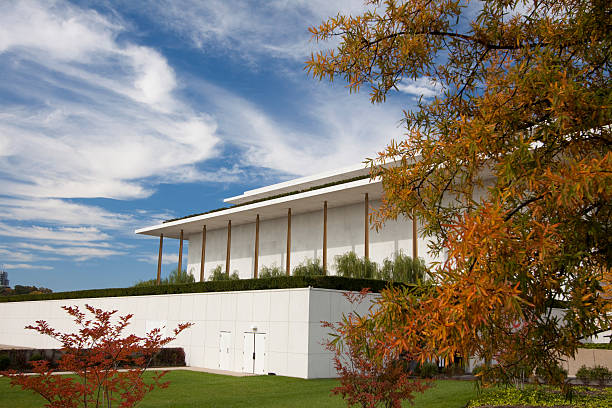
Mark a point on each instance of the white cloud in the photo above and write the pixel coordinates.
(57, 32)
(56, 28)
(101, 115)
(79, 253)
(167, 258)
(273, 28)
(26, 266)
(62, 212)
(420, 87)
(79, 234)
(347, 129)
(16, 256)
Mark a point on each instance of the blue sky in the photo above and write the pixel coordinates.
(115, 115)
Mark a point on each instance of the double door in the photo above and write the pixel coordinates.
(254, 353)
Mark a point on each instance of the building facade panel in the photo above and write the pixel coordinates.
(289, 318)
(346, 232)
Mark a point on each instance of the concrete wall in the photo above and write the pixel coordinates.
(289, 317)
(345, 232)
(589, 358)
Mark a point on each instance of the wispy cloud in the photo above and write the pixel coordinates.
(102, 115)
(247, 29)
(62, 212)
(79, 253)
(167, 258)
(16, 256)
(420, 87)
(343, 129)
(79, 234)
(26, 266)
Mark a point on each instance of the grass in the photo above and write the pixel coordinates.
(196, 389)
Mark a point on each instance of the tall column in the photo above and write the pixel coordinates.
(203, 257)
(256, 259)
(366, 242)
(415, 237)
(159, 258)
(229, 244)
(288, 242)
(180, 262)
(325, 237)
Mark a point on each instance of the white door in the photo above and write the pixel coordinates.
(254, 353)
(260, 353)
(225, 346)
(248, 353)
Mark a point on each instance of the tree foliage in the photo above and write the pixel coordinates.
(367, 378)
(508, 167)
(95, 354)
(24, 290)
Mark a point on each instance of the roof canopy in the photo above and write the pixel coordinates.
(308, 201)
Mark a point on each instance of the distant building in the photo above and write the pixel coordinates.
(4, 281)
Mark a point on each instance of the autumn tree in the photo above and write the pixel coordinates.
(508, 168)
(367, 378)
(109, 366)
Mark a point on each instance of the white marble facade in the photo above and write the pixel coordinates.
(289, 318)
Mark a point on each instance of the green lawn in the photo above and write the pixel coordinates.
(195, 389)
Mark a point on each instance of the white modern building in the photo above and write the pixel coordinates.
(284, 224)
(255, 331)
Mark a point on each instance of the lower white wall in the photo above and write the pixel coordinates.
(289, 317)
(327, 305)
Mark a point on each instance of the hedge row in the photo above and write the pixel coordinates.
(284, 282)
(19, 359)
(598, 346)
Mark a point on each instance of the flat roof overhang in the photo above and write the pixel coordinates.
(308, 201)
(301, 183)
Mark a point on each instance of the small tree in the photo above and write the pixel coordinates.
(350, 265)
(174, 278)
(403, 268)
(310, 267)
(272, 271)
(367, 378)
(218, 274)
(95, 354)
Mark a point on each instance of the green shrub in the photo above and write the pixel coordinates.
(428, 370)
(219, 275)
(349, 265)
(282, 282)
(36, 357)
(597, 346)
(173, 279)
(403, 269)
(584, 374)
(169, 357)
(598, 373)
(5, 362)
(310, 267)
(555, 373)
(272, 271)
(453, 370)
(542, 396)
